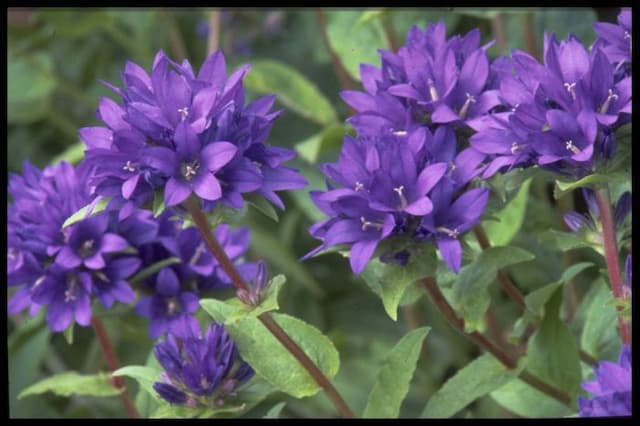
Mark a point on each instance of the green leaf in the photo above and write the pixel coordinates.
(72, 155)
(353, 43)
(599, 334)
(87, 211)
(510, 218)
(563, 241)
(369, 15)
(158, 203)
(153, 269)
(390, 281)
(270, 303)
(293, 89)
(270, 359)
(328, 139)
(71, 383)
(262, 205)
(553, 353)
(470, 296)
(68, 334)
(146, 402)
(394, 376)
(274, 412)
(481, 376)
(590, 181)
(31, 84)
(167, 411)
(526, 401)
(146, 376)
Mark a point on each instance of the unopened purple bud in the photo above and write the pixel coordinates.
(575, 221)
(590, 198)
(623, 207)
(261, 277)
(170, 393)
(228, 386)
(609, 145)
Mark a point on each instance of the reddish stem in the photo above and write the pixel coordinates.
(611, 257)
(345, 80)
(193, 206)
(113, 363)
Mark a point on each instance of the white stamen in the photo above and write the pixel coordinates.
(607, 103)
(38, 282)
(515, 147)
(11, 254)
(68, 294)
(571, 147)
(470, 100)
(172, 306)
(400, 133)
(129, 166)
(204, 383)
(189, 170)
(453, 233)
(359, 186)
(196, 255)
(184, 112)
(403, 201)
(366, 223)
(432, 90)
(571, 88)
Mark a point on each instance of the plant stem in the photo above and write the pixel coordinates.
(193, 206)
(497, 28)
(446, 309)
(389, 31)
(345, 80)
(178, 46)
(213, 38)
(611, 256)
(113, 363)
(530, 35)
(511, 289)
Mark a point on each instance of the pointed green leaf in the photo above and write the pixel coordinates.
(71, 383)
(158, 203)
(274, 412)
(599, 334)
(87, 211)
(293, 89)
(269, 358)
(262, 205)
(146, 376)
(510, 218)
(481, 376)
(470, 296)
(390, 281)
(590, 181)
(72, 155)
(327, 140)
(68, 334)
(524, 400)
(394, 376)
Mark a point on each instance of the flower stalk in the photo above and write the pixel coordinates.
(192, 205)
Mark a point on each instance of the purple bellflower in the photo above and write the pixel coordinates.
(611, 389)
(200, 370)
(186, 133)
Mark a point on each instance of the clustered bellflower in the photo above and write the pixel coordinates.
(405, 173)
(186, 133)
(200, 370)
(563, 114)
(611, 389)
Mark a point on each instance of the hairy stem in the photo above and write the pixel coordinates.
(193, 206)
(611, 257)
(213, 37)
(443, 305)
(113, 363)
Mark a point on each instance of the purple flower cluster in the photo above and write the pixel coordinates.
(405, 173)
(575, 221)
(611, 390)
(186, 133)
(200, 370)
(64, 268)
(561, 115)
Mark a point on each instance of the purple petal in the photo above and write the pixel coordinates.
(422, 206)
(95, 262)
(451, 252)
(175, 192)
(162, 159)
(360, 255)
(218, 154)
(207, 186)
(59, 316)
(112, 243)
(187, 141)
(82, 310)
(167, 283)
(67, 258)
(429, 177)
(130, 185)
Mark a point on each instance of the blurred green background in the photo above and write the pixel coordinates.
(57, 59)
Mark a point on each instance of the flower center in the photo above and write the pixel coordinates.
(571, 147)
(129, 166)
(69, 293)
(189, 169)
(571, 88)
(465, 107)
(86, 249)
(359, 186)
(184, 112)
(453, 233)
(515, 147)
(366, 224)
(403, 201)
(607, 103)
(173, 306)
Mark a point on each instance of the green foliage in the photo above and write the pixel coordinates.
(480, 377)
(352, 40)
(293, 89)
(28, 95)
(521, 399)
(394, 376)
(72, 383)
(590, 181)
(89, 210)
(470, 296)
(510, 218)
(599, 334)
(262, 205)
(390, 281)
(145, 375)
(268, 357)
(327, 140)
(72, 155)
(275, 411)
